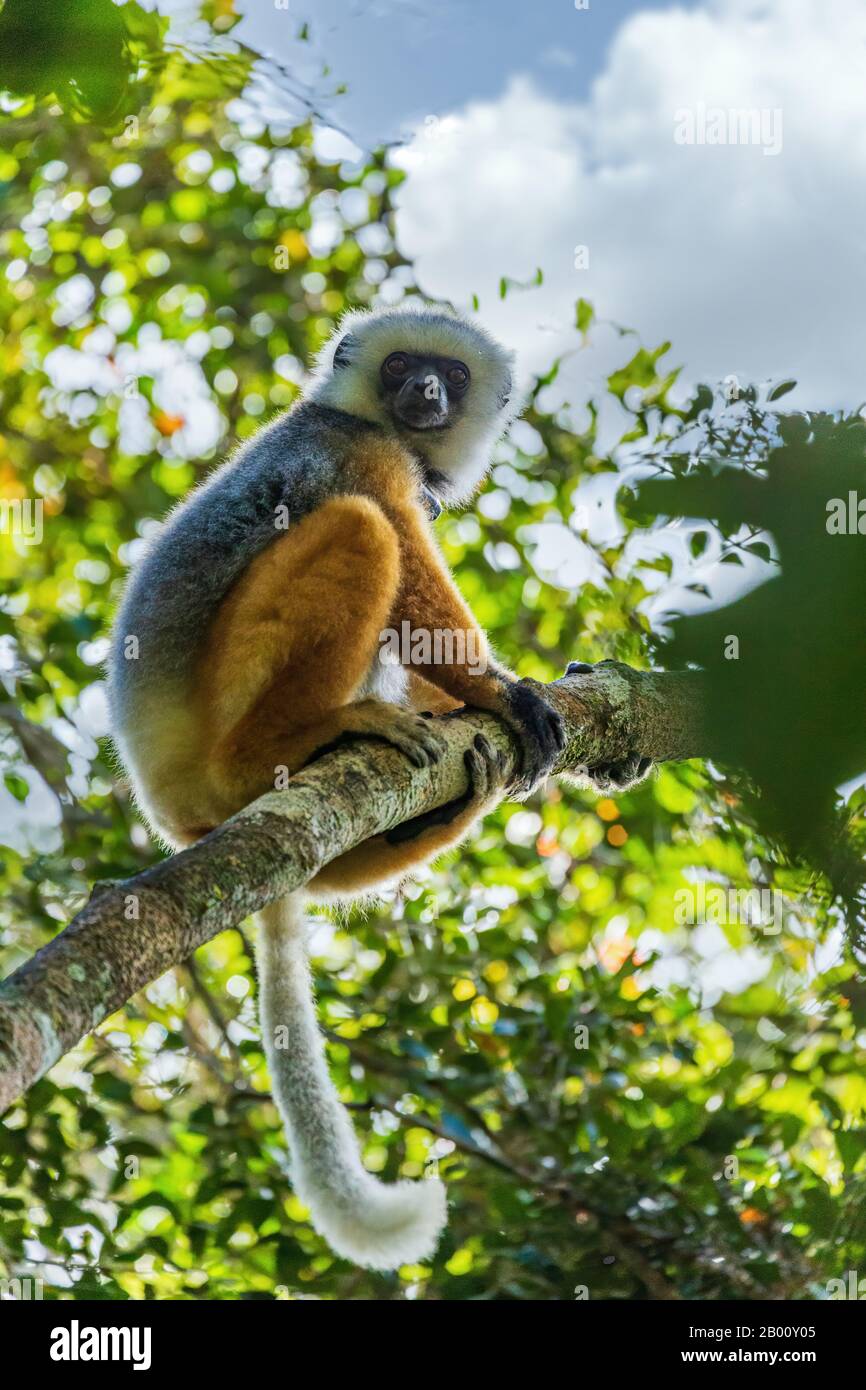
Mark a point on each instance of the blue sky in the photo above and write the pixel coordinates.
(405, 59)
(533, 129)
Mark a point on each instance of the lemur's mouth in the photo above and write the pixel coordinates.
(425, 426)
(420, 416)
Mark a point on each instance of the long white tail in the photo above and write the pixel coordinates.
(378, 1225)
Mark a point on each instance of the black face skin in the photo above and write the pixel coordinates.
(423, 393)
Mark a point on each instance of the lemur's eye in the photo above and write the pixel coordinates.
(396, 365)
(458, 375)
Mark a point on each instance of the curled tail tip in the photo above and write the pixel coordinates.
(398, 1225)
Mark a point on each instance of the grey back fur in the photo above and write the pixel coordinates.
(212, 536)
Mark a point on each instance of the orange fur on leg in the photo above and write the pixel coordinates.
(376, 862)
(292, 647)
(424, 695)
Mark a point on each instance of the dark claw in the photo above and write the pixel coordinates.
(485, 766)
(618, 776)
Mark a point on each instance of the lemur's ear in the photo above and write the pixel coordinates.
(343, 352)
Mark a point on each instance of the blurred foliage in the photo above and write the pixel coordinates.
(788, 659)
(87, 55)
(619, 1102)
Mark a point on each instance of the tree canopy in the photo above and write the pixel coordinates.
(621, 1099)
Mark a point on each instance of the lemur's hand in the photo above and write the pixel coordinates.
(608, 777)
(541, 732)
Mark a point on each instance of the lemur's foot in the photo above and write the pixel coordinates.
(606, 777)
(542, 733)
(486, 767)
(415, 736)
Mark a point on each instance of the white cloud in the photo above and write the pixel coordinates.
(751, 265)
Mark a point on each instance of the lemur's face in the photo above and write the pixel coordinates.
(424, 392)
(436, 382)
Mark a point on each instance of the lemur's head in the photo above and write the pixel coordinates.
(441, 383)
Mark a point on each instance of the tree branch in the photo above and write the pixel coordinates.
(131, 932)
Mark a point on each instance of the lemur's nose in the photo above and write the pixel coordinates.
(428, 386)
